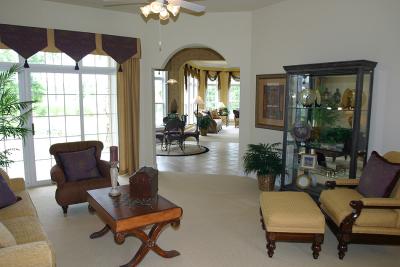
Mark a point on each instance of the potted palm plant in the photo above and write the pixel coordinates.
(13, 113)
(204, 122)
(266, 161)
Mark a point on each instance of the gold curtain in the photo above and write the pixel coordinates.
(223, 81)
(202, 86)
(128, 94)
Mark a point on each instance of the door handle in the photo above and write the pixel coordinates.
(33, 129)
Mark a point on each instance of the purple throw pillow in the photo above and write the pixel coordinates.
(7, 196)
(379, 177)
(80, 165)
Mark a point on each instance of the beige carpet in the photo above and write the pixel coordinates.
(220, 227)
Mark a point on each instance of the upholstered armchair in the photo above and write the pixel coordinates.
(78, 169)
(356, 218)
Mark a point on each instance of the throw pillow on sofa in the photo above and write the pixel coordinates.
(80, 165)
(7, 196)
(379, 177)
(6, 238)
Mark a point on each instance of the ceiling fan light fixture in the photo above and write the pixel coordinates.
(146, 10)
(164, 14)
(156, 7)
(173, 9)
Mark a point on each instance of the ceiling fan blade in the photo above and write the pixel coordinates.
(121, 4)
(188, 5)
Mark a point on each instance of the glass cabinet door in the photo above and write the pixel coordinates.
(326, 125)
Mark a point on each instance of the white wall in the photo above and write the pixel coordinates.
(227, 33)
(311, 31)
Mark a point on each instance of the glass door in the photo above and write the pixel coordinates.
(68, 106)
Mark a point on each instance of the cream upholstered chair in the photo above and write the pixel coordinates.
(358, 219)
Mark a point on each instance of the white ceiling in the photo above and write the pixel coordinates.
(211, 5)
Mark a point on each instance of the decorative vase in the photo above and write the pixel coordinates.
(266, 182)
(308, 97)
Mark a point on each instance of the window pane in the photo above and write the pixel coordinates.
(90, 124)
(98, 61)
(103, 84)
(104, 124)
(104, 104)
(42, 169)
(51, 59)
(211, 98)
(72, 105)
(89, 84)
(8, 55)
(56, 105)
(89, 104)
(73, 125)
(41, 148)
(159, 98)
(57, 126)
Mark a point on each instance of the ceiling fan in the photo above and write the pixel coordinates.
(161, 7)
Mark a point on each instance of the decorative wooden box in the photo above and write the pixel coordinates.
(144, 185)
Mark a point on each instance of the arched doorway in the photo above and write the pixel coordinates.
(215, 92)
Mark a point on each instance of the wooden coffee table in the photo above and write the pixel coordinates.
(124, 217)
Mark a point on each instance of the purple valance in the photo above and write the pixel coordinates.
(75, 44)
(119, 48)
(26, 41)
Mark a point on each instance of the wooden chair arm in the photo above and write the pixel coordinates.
(380, 203)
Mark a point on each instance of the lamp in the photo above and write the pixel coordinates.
(164, 14)
(198, 101)
(160, 8)
(173, 9)
(172, 81)
(221, 105)
(156, 6)
(146, 10)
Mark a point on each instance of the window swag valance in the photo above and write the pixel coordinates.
(27, 41)
(212, 75)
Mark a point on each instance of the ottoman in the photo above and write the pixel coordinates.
(291, 216)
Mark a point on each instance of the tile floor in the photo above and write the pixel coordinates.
(223, 157)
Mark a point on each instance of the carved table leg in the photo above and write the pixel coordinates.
(316, 246)
(270, 244)
(100, 233)
(149, 243)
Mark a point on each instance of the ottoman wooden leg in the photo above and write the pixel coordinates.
(270, 243)
(316, 246)
(342, 246)
(262, 220)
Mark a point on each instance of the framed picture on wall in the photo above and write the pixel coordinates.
(270, 101)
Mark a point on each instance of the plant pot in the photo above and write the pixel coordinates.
(266, 182)
(203, 132)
